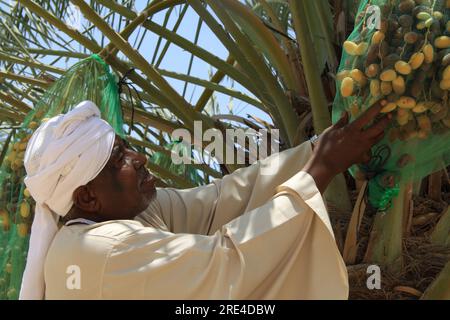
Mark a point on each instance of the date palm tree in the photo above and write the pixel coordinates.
(280, 61)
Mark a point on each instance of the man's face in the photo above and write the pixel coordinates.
(124, 188)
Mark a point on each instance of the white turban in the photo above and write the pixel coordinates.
(64, 153)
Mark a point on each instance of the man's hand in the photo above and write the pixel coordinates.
(344, 144)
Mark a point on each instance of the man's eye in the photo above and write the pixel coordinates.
(118, 158)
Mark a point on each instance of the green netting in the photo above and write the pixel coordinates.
(399, 52)
(89, 79)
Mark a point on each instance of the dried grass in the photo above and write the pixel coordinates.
(422, 260)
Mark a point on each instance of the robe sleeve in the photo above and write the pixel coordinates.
(205, 209)
(279, 250)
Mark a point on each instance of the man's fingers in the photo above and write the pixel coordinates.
(378, 127)
(343, 121)
(367, 116)
(377, 138)
(366, 157)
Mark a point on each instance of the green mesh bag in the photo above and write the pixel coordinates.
(399, 53)
(89, 79)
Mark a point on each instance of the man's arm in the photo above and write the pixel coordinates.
(280, 250)
(203, 210)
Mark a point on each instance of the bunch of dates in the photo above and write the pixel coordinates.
(404, 62)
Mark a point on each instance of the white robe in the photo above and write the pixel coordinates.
(246, 236)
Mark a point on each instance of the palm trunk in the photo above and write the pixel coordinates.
(440, 288)
(435, 186)
(385, 244)
(337, 192)
(441, 234)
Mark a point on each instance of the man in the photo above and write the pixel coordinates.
(246, 236)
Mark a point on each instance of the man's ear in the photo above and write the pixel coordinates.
(85, 199)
